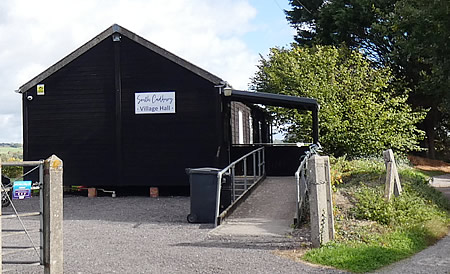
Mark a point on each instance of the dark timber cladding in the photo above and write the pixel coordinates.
(161, 146)
(75, 118)
(87, 110)
(87, 115)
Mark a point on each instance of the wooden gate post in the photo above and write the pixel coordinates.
(320, 200)
(53, 216)
(392, 179)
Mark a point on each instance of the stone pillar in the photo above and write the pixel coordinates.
(320, 200)
(53, 216)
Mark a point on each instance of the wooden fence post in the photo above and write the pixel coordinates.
(320, 200)
(392, 179)
(53, 216)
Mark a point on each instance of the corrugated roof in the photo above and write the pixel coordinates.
(138, 39)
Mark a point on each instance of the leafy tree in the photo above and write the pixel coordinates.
(422, 55)
(359, 115)
(411, 37)
(342, 21)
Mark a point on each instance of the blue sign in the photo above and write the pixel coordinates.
(21, 190)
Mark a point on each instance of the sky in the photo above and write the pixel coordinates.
(224, 37)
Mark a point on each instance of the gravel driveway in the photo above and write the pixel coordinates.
(151, 235)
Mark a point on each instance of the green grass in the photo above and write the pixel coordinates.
(381, 250)
(6, 150)
(371, 233)
(430, 173)
(11, 151)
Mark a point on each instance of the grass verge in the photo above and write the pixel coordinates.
(371, 233)
(11, 153)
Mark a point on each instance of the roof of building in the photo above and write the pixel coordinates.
(272, 99)
(107, 34)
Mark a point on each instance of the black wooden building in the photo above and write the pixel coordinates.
(121, 111)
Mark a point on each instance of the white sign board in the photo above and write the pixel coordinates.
(154, 102)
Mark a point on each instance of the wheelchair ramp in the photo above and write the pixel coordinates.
(268, 211)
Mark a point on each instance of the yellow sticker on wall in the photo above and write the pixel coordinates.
(41, 89)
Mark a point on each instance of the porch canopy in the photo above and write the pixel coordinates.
(279, 100)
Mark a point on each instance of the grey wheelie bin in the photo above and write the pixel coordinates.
(203, 183)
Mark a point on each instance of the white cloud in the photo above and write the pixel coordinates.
(11, 128)
(36, 34)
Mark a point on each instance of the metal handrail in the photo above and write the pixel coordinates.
(301, 181)
(258, 167)
(298, 144)
(24, 163)
(302, 187)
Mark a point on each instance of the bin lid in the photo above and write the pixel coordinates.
(203, 170)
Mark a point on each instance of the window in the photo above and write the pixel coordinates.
(241, 128)
(250, 125)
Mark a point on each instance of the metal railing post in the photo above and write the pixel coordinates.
(245, 173)
(297, 181)
(41, 210)
(233, 187)
(301, 179)
(254, 166)
(264, 161)
(219, 186)
(259, 163)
